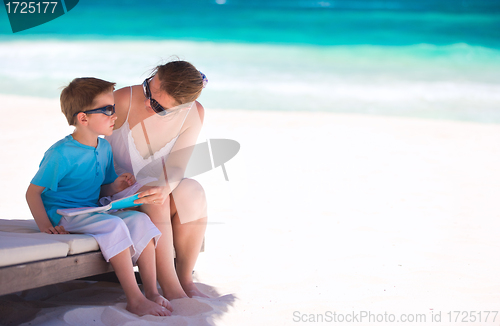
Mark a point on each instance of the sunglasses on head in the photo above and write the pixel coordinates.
(108, 110)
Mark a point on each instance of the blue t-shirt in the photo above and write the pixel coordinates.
(72, 174)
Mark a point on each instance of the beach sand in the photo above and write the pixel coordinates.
(325, 216)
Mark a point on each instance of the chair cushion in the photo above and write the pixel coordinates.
(77, 243)
(18, 250)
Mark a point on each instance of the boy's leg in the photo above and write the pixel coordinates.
(141, 230)
(111, 233)
(137, 303)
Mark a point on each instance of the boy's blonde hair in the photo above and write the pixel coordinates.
(79, 95)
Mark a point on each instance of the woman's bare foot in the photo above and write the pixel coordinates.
(147, 307)
(171, 294)
(159, 299)
(192, 291)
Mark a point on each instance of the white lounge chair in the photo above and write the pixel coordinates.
(30, 258)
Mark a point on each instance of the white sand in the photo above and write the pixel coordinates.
(322, 214)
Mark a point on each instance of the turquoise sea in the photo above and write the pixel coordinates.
(429, 58)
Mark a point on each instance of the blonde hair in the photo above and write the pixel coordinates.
(79, 95)
(180, 79)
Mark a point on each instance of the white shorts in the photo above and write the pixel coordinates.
(115, 232)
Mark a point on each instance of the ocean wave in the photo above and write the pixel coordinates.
(411, 80)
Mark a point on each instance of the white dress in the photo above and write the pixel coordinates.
(127, 157)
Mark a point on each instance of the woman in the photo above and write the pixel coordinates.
(155, 119)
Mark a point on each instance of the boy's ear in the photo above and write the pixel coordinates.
(81, 118)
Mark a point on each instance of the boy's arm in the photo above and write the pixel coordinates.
(121, 183)
(35, 203)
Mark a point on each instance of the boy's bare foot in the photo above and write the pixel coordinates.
(159, 299)
(147, 307)
(192, 291)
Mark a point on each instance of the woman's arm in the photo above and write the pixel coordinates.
(176, 164)
(35, 203)
(178, 159)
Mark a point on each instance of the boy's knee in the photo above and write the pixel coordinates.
(116, 223)
(112, 225)
(141, 218)
(135, 219)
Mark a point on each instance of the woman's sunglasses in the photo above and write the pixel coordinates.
(160, 110)
(108, 110)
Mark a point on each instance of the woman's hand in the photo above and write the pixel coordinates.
(123, 182)
(153, 196)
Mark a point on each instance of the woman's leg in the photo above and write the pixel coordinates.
(144, 235)
(189, 222)
(182, 220)
(165, 269)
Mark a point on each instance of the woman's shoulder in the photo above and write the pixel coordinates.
(201, 110)
(122, 98)
(194, 120)
(122, 105)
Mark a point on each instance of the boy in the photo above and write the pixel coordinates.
(75, 172)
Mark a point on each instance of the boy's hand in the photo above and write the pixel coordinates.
(34, 199)
(123, 182)
(55, 230)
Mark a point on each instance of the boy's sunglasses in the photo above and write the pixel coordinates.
(108, 110)
(160, 110)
